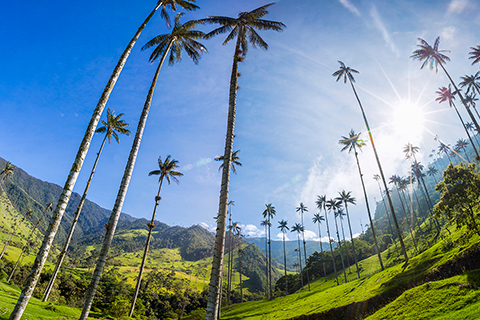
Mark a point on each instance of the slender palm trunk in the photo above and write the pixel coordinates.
(345, 243)
(407, 227)
(340, 247)
(216, 274)
(270, 260)
(240, 274)
(331, 249)
(386, 210)
(230, 266)
(122, 192)
(11, 236)
(305, 253)
(42, 255)
(400, 238)
(62, 255)
(321, 251)
(353, 243)
(266, 262)
(285, 263)
(151, 225)
(368, 210)
(468, 134)
(300, 260)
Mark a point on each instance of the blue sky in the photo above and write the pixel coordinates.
(57, 56)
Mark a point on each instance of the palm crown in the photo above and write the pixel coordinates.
(471, 82)
(430, 55)
(410, 150)
(244, 27)
(185, 4)
(7, 171)
(345, 72)
(235, 161)
(346, 197)
(282, 225)
(475, 54)
(317, 218)
(167, 170)
(182, 38)
(445, 94)
(113, 125)
(352, 142)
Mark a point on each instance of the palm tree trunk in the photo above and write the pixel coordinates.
(6, 245)
(400, 238)
(151, 226)
(269, 260)
(305, 253)
(340, 247)
(368, 211)
(122, 192)
(266, 262)
(240, 274)
(42, 255)
(300, 260)
(468, 134)
(321, 251)
(62, 255)
(216, 274)
(351, 237)
(407, 227)
(285, 263)
(331, 249)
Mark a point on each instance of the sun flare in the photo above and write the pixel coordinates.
(408, 121)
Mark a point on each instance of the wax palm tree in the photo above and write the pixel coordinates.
(230, 263)
(267, 224)
(472, 82)
(443, 148)
(284, 227)
(377, 178)
(474, 54)
(322, 204)
(346, 73)
(182, 38)
(114, 124)
(346, 198)
(7, 171)
(333, 206)
(432, 171)
(433, 56)
(445, 94)
(48, 207)
(298, 228)
(269, 213)
(28, 213)
(352, 143)
(42, 255)
(302, 209)
(243, 29)
(470, 127)
(340, 214)
(461, 145)
(317, 218)
(166, 170)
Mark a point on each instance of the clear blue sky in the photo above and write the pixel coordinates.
(57, 56)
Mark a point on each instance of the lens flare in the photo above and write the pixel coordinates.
(408, 121)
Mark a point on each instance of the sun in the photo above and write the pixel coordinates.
(408, 121)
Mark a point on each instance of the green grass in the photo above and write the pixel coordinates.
(445, 303)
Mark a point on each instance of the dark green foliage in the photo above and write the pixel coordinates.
(460, 198)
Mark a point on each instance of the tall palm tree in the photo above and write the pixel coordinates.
(297, 227)
(235, 161)
(269, 213)
(333, 206)
(230, 238)
(432, 171)
(346, 198)
(302, 209)
(377, 178)
(317, 218)
(443, 148)
(42, 255)
(284, 227)
(471, 129)
(114, 124)
(322, 204)
(433, 56)
(462, 144)
(28, 213)
(7, 171)
(472, 83)
(266, 223)
(445, 94)
(166, 170)
(352, 143)
(182, 38)
(243, 28)
(346, 73)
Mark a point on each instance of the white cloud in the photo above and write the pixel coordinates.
(310, 235)
(252, 230)
(280, 236)
(380, 26)
(347, 4)
(356, 235)
(209, 227)
(448, 33)
(457, 6)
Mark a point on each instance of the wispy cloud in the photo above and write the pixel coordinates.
(347, 4)
(457, 6)
(380, 26)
